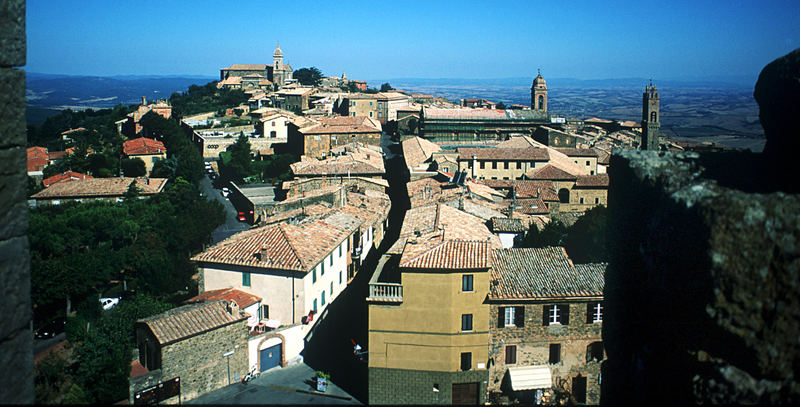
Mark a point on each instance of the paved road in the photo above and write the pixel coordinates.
(40, 345)
(288, 385)
(231, 225)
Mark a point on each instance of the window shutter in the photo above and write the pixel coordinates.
(589, 312)
(519, 316)
(546, 315)
(565, 315)
(501, 317)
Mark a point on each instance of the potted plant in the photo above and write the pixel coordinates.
(322, 380)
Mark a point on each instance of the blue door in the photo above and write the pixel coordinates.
(270, 357)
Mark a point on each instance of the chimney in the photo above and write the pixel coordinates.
(144, 101)
(474, 165)
(233, 308)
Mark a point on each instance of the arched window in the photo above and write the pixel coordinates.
(540, 105)
(653, 116)
(563, 195)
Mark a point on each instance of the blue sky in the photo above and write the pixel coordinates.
(415, 39)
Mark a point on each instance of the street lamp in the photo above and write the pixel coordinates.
(228, 360)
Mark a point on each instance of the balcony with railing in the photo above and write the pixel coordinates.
(384, 286)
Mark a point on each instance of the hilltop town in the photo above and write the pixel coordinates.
(400, 247)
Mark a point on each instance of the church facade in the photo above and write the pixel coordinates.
(276, 74)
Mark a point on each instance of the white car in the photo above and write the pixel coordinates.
(109, 303)
(226, 192)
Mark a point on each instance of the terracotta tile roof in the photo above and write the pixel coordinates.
(518, 142)
(578, 152)
(231, 80)
(64, 176)
(504, 154)
(532, 206)
(360, 162)
(100, 187)
(190, 320)
(543, 273)
(37, 152)
(143, 146)
(243, 299)
(477, 207)
(533, 188)
(417, 150)
(137, 369)
(484, 191)
(603, 157)
(507, 225)
(549, 172)
(55, 155)
(438, 219)
(447, 254)
(246, 67)
(282, 246)
(598, 180)
(343, 125)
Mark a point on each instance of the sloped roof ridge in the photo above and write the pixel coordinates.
(285, 237)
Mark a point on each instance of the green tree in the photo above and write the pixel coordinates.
(586, 240)
(133, 167)
(239, 165)
(386, 87)
(501, 105)
(167, 168)
(553, 234)
(34, 185)
(308, 76)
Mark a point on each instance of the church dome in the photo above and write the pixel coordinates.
(278, 51)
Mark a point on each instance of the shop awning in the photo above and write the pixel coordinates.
(530, 377)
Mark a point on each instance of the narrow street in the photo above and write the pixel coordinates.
(231, 225)
(330, 348)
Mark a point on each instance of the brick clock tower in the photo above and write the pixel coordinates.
(539, 93)
(650, 119)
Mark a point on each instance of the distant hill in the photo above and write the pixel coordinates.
(47, 94)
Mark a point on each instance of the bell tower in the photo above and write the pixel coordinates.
(539, 93)
(650, 120)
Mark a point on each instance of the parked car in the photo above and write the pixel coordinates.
(109, 303)
(226, 192)
(51, 329)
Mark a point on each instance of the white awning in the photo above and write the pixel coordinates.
(530, 377)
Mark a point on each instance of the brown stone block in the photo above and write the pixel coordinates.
(13, 188)
(12, 107)
(12, 33)
(15, 287)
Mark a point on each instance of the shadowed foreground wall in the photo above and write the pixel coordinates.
(703, 292)
(16, 340)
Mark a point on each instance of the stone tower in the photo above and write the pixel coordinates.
(539, 93)
(650, 120)
(277, 58)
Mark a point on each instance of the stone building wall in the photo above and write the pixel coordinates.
(315, 184)
(16, 340)
(372, 139)
(417, 385)
(533, 346)
(198, 361)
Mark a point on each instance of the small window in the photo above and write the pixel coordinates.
(466, 322)
(370, 114)
(340, 276)
(331, 289)
(594, 352)
(505, 165)
(314, 275)
(588, 163)
(246, 279)
(555, 353)
(322, 268)
(519, 165)
(322, 299)
(508, 316)
(594, 312)
(494, 165)
(511, 354)
(315, 305)
(596, 200)
(466, 283)
(483, 164)
(340, 249)
(555, 314)
(581, 200)
(331, 257)
(466, 361)
(265, 311)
